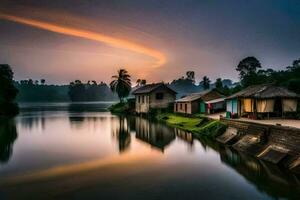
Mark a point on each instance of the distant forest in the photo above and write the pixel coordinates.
(249, 69)
(38, 91)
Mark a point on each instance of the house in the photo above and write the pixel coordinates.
(153, 96)
(208, 101)
(261, 101)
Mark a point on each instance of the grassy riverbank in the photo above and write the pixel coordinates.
(198, 125)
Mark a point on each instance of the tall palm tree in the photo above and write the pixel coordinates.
(205, 82)
(121, 84)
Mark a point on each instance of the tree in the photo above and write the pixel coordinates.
(8, 91)
(77, 91)
(205, 83)
(247, 69)
(43, 81)
(190, 75)
(219, 83)
(121, 84)
(141, 82)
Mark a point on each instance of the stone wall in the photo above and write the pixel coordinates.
(286, 137)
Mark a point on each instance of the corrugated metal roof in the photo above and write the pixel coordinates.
(193, 96)
(264, 91)
(215, 100)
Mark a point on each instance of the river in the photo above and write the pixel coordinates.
(81, 151)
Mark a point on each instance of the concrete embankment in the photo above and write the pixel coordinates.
(276, 144)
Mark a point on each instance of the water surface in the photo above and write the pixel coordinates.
(81, 151)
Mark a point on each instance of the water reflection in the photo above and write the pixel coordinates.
(77, 135)
(155, 134)
(8, 135)
(121, 131)
(266, 177)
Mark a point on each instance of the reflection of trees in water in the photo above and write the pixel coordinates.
(121, 131)
(33, 121)
(8, 134)
(156, 134)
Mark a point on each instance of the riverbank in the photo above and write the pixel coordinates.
(198, 125)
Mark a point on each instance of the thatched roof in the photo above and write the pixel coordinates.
(206, 95)
(265, 91)
(151, 87)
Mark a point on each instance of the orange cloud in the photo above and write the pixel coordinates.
(112, 41)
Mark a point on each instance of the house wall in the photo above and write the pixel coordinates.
(142, 106)
(232, 106)
(168, 98)
(181, 107)
(150, 100)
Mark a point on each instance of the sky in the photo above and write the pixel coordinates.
(157, 40)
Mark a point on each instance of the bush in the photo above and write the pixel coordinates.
(9, 109)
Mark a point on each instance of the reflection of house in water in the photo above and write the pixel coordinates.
(185, 136)
(155, 134)
(8, 135)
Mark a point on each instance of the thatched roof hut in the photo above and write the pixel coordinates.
(260, 99)
(265, 91)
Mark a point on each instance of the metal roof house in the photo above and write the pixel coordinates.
(208, 101)
(153, 96)
(262, 100)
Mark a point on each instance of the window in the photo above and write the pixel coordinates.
(181, 106)
(185, 107)
(159, 96)
(176, 108)
(143, 99)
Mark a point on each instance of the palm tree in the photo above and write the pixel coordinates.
(141, 82)
(205, 82)
(121, 84)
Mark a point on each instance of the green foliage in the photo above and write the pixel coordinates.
(250, 75)
(123, 108)
(32, 91)
(90, 91)
(247, 69)
(8, 91)
(205, 83)
(121, 84)
(219, 84)
(294, 85)
(141, 82)
(199, 126)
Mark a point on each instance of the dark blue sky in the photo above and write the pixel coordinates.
(209, 37)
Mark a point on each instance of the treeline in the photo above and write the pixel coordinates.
(187, 84)
(37, 91)
(90, 91)
(251, 73)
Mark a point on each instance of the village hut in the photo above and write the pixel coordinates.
(261, 101)
(209, 101)
(153, 96)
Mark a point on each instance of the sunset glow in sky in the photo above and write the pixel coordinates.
(157, 40)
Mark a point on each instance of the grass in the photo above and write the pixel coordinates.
(197, 124)
(119, 108)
